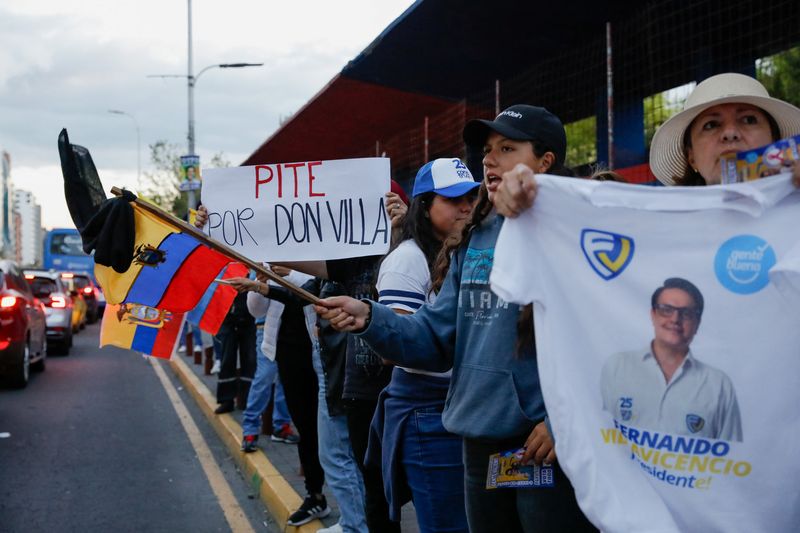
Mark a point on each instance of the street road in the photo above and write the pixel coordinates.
(95, 443)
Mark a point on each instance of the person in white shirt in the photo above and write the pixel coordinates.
(664, 387)
(420, 459)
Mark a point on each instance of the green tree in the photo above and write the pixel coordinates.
(780, 74)
(658, 108)
(161, 185)
(581, 141)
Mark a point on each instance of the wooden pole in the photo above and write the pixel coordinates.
(185, 227)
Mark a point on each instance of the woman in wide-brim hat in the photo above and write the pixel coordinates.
(725, 114)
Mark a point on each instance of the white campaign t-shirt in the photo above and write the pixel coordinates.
(720, 454)
(404, 282)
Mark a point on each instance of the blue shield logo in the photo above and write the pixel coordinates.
(608, 253)
(695, 422)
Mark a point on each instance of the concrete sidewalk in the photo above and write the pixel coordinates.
(274, 471)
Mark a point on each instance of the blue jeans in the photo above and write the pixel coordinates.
(434, 472)
(528, 510)
(338, 461)
(258, 398)
(197, 336)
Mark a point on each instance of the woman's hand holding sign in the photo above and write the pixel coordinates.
(396, 208)
(201, 217)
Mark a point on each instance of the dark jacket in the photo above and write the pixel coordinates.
(333, 353)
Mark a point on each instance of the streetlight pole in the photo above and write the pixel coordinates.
(190, 94)
(191, 81)
(138, 141)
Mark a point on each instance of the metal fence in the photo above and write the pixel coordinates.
(653, 58)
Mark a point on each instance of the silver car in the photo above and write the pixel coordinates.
(48, 287)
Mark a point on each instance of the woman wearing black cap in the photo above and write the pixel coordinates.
(494, 401)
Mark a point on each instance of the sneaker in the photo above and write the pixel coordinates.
(249, 443)
(198, 349)
(285, 434)
(313, 507)
(215, 368)
(335, 528)
(182, 349)
(224, 407)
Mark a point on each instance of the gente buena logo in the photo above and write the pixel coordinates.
(743, 262)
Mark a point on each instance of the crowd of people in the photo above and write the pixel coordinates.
(410, 372)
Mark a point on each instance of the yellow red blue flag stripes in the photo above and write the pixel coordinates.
(142, 328)
(170, 270)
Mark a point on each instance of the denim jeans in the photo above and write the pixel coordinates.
(542, 510)
(260, 390)
(434, 472)
(197, 335)
(338, 461)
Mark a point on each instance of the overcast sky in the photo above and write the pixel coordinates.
(65, 63)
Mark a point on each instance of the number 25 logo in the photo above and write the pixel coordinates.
(625, 403)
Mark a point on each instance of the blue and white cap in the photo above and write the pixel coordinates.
(447, 176)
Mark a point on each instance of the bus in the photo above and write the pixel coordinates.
(63, 250)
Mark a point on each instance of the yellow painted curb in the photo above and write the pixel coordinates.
(273, 490)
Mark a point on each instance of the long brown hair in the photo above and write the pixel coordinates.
(481, 210)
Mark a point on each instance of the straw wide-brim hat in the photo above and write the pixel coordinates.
(667, 157)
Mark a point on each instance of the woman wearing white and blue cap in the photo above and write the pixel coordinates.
(494, 401)
(420, 459)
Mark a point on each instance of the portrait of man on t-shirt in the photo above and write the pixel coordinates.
(664, 386)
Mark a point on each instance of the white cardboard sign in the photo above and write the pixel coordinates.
(314, 210)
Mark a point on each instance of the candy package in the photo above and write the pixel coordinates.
(760, 162)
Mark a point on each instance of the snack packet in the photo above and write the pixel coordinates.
(760, 162)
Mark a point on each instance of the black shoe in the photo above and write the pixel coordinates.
(224, 407)
(249, 443)
(313, 507)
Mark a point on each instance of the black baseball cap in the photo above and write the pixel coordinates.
(521, 122)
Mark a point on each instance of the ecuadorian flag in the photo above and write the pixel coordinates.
(170, 270)
(142, 328)
(216, 301)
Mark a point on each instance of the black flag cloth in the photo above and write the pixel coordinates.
(82, 188)
(106, 226)
(111, 233)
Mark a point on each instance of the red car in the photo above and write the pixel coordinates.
(23, 340)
